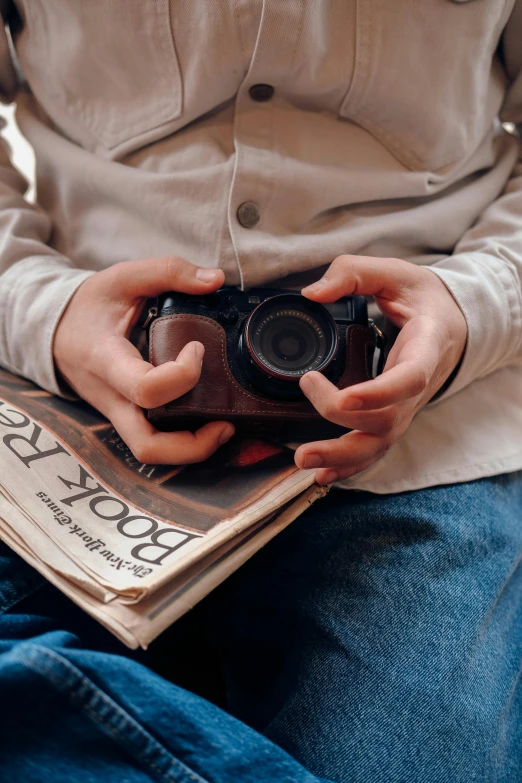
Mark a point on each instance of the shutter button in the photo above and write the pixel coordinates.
(248, 214)
(261, 92)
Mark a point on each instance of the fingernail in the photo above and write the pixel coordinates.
(312, 289)
(307, 384)
(226, 434)
(206, 275)
(330, 477)
(351, 404)
(199, 351)
(312, 460)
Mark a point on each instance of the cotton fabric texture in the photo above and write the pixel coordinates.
(383, 137)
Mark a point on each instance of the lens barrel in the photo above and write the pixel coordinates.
(285, 337)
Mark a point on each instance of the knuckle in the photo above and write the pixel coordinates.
(140, 395)
(208, 451)
(345, 262)
(143, 451)
(421, 380)
(397, 262)
(115, 272)
(97, 359)
(348, 269)
(205, 448)
(189, 375)
(330, 409)
(174, 266)
(386, 444)
(387, 420)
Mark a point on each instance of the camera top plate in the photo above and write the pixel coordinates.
(229, 302)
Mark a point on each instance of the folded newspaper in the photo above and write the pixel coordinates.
(136, 546)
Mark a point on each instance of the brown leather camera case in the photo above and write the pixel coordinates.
(218, 395)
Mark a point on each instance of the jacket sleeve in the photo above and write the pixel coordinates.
(484, 274)
(36, 283)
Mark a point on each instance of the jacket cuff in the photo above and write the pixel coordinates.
(487, 290)
(33, 296)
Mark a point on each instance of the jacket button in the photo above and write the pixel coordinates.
(261, 92)
(248, 214)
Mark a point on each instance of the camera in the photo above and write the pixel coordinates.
(259, 343)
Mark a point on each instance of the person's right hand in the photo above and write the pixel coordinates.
(93, 354)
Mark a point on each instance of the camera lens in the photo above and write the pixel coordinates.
(285, 337)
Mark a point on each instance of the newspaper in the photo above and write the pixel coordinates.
(135, 545)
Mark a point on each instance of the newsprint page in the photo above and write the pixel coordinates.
(134, 545)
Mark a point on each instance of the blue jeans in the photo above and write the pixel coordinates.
(378, 638)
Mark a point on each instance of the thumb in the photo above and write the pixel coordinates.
(386, 278)
(156, 276)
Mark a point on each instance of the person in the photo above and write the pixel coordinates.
(337, 147)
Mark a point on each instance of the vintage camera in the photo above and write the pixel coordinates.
(259, 343)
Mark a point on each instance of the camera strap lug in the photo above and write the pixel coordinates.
(380, 342)
(151, 315)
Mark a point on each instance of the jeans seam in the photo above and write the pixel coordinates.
(7, 605)
(40, 667)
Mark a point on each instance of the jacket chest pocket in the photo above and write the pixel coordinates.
(423, 83)
(111, 65)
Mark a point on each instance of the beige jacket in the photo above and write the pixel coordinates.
(381, 137)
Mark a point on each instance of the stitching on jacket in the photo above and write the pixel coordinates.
(7, 604)
(169, 74)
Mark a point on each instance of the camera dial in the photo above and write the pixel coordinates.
(228, 315)
(285, 337)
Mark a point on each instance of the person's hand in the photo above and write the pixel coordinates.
(93, 354)
(427, 350)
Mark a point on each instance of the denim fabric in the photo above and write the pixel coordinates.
(75, 715)
(17, 579)
(379, 638)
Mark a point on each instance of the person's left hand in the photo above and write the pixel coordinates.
(427, 350)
